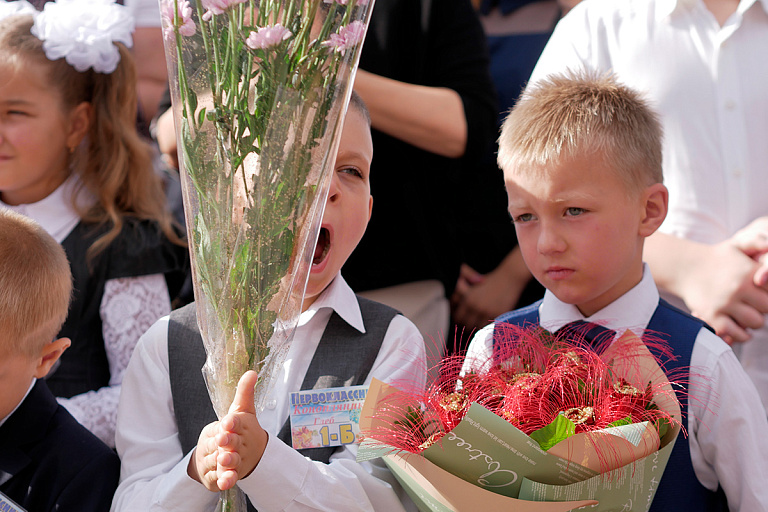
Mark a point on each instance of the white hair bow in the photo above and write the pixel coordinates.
(84, 32)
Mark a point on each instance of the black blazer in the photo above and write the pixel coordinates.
(54, 463)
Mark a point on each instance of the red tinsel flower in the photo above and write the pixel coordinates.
(533, 378)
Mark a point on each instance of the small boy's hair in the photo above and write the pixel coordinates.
(35, 285)
(583, 113)
(356, 102)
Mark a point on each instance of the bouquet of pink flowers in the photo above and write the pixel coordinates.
(259, 89)
(551, 423)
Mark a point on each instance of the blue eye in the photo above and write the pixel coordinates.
(354, 171)
(575, 212)
(525, 217)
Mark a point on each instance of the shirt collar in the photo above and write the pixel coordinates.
(31, 385)
(339, 297)
(633, 310)
(55, 213)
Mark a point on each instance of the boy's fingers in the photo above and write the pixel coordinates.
(243, 401)
(227, 461)
(227, 441)
(226, 480)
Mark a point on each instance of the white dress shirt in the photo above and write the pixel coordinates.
(709, 84)
(727, 426)
(154, 469)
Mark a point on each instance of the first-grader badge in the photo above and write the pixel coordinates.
(7, 505)
(326, 417)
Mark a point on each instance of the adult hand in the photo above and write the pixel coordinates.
(753, 241)
(165, 135)
(716, 282)
(478, 299)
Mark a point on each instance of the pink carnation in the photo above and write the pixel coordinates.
(217, 7)
(268, 36)
(186, 25)
(347, 38)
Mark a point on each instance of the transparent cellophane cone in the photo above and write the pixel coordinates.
(257, 133)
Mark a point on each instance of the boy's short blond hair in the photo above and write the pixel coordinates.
(35, 285)
(583, 113)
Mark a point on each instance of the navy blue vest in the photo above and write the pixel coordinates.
(679, 488)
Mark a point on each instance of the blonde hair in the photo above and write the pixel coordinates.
(114, 163)
(583, 113)
(35, 285)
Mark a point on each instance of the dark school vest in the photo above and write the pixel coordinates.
(140, 249)
(344, 357)
(679, 488)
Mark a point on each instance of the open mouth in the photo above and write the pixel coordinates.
(322, 247)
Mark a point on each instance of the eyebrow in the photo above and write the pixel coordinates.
(14, 101)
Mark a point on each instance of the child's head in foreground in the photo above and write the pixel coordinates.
(35, 288)
(349, 203)
(581, 156)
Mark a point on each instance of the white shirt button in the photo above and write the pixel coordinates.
(271, 404)
(730, 104)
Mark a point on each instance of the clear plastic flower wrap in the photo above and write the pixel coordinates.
(259, 88)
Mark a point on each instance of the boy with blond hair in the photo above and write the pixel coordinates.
(581, 156)
(48, 461)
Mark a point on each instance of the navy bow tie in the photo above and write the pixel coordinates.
(593, 334)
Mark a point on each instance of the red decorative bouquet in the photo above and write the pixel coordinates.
(550, 419)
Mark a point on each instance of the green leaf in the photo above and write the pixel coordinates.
(621, 422)
(662, 426)
(201, 116)
(560, 429)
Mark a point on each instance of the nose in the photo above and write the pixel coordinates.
(334, 193)
(550, 241)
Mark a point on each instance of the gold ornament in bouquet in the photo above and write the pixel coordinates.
(258, 89)
(551, 423)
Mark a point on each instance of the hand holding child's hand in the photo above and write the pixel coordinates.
(752, 240)
(478, 298)
(721, 290)
(230, 449)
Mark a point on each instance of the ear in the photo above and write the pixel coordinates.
(50, 354)
(655, 204)
(370, 207)
(79, 124)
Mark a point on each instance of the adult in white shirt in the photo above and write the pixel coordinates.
(703, 64)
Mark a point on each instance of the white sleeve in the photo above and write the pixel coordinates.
(285, 480)
(480, 351)
(128, 307)
(153, 474)
(727, 426)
